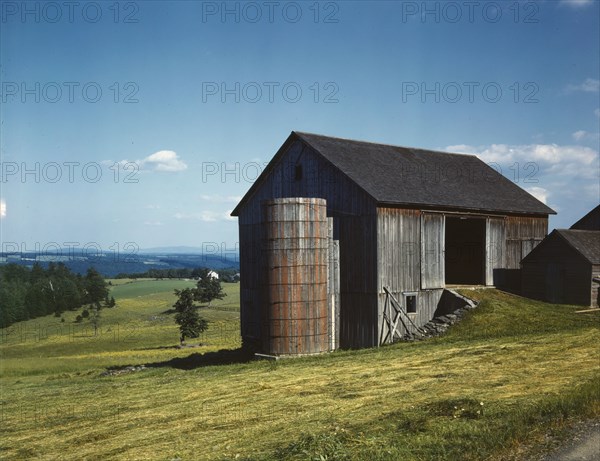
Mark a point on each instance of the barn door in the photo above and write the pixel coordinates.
(495, 237)
(432, 251)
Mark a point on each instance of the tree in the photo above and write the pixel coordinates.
(29, 293)
(67, 295)
(38, 300)
(37, 273)
(95, 286)
(190, 323)
(208, 288)
(95, 318)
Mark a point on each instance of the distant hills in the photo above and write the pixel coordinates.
(173, 250)
(110, 264)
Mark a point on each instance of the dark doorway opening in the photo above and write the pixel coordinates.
(465, 251)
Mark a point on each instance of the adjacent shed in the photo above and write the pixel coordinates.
(405, 223)
(564, 268)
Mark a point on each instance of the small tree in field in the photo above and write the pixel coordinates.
(208, 288)
(95, 318)
(190, 323)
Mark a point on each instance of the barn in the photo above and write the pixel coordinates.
(565, 267)
(346, 244)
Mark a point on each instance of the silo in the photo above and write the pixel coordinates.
(296, 257)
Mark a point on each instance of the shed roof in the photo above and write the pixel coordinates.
(397, 176)
(586, 242)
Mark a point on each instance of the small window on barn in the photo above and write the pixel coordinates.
(410, 301)
(298, 173)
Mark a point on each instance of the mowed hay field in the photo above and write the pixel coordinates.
(511, 372)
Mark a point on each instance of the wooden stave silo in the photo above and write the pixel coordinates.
(296, 258)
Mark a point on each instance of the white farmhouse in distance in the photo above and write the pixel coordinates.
(213, 275)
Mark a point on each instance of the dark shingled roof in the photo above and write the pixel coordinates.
(397, 176)
(409, 176)
(590, 221)
(586, 242)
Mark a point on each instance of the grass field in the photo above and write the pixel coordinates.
(490, 389)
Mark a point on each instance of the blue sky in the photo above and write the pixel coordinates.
(146, 121)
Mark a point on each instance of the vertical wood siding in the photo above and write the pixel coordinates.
(400, 264)
(595, 291)
(432, 251)
(333, 288)
(354, 216)
(523, 234)
(495, 246)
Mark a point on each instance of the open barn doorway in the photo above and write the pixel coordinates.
(465, 251)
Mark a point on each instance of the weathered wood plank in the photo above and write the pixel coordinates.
(432, 251)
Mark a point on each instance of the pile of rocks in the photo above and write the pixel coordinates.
(440, 324)
(122, 371)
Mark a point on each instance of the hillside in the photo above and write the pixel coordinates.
(495, 384)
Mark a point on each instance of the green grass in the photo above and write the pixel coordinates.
(137, 330)
(145, 287)
(534, 366)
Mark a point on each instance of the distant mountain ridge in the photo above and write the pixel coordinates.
(110, 264)
(172, 250)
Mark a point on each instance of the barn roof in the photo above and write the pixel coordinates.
(590, 221)
(396, 176)
(586, 242)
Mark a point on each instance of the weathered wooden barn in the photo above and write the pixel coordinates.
(409, 223)
(565, 267)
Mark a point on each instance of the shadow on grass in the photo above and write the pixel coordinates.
(158, 348)
(173, 311)
(222, 357)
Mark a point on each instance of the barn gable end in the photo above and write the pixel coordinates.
(298, 171)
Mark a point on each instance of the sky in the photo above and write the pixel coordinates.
(141, 124)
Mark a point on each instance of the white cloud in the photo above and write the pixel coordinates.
(206, 216)
(576, 3)
(557, 175)
(575, 159)
(163, 160)
(2, 208)
(589, 85)
(583, 135)
(153, 223)
(221, 198)
(539, 193)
